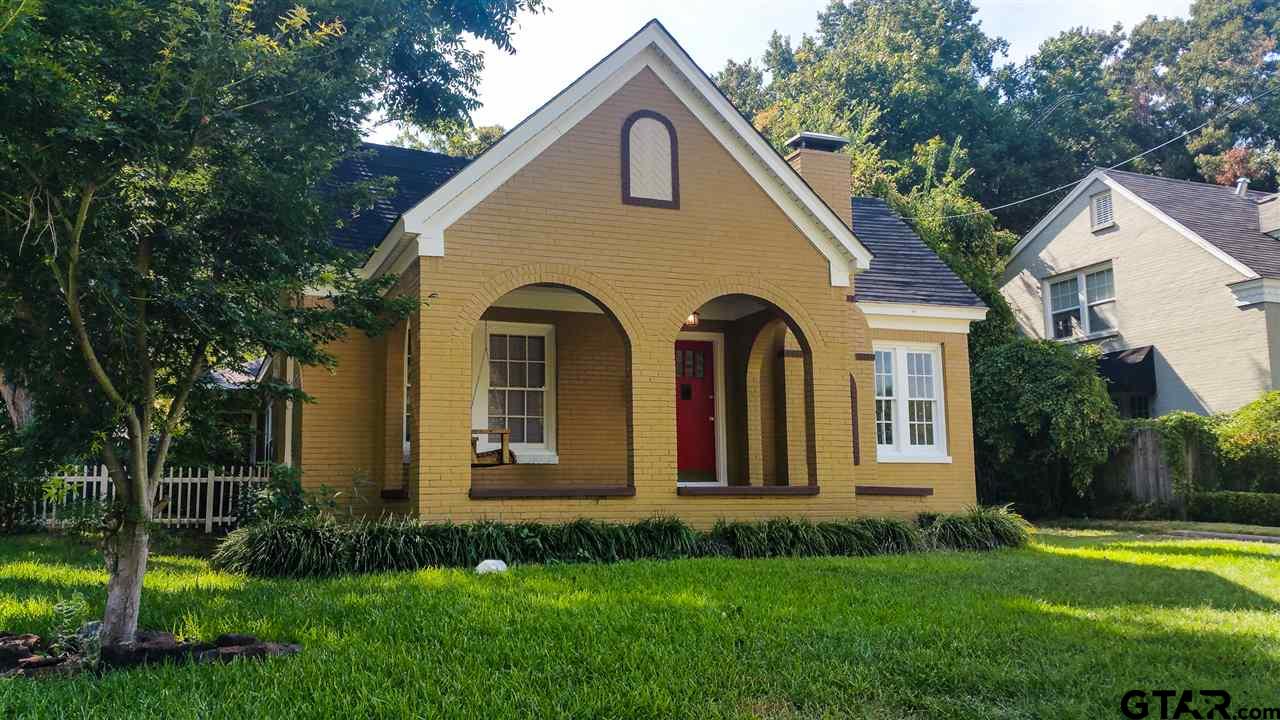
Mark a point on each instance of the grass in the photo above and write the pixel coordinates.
(1059, 629)
(1162, 526)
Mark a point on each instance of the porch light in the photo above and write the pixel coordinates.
(692, 320)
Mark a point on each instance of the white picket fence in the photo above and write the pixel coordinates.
(186, 497)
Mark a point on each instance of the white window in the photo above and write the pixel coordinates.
(516, 387)
(407, 418)
(1082, 304)
(1101, 213)
(650, 173)
(910, 425)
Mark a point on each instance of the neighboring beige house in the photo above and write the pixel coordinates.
(633, 306)
(1177, 281)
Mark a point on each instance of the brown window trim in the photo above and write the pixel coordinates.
(530, 493)
(893, 490)
(627, 199)
(748, 490)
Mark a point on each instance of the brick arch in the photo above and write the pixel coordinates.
(810, 333)
(548, 274)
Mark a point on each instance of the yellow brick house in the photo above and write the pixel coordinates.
(633, 306)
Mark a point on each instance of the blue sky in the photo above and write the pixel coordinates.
(555, 47)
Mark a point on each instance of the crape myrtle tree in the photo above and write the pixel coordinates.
(165, 202)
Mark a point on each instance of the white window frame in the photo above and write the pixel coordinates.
(407, 357)
(901, 450)
(543, 453)
(1082, 303)
(1094, 200)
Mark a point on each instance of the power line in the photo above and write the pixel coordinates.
(1227, 111)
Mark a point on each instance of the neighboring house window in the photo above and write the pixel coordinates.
(516, 388)
(1101, 212)
(650, 161)
(909, 412)
(407, 419)
(1082, 304)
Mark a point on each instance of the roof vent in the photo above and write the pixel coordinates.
(816, 141)
(1242, 186)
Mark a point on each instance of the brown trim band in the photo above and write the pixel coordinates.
(789, 352)
(748, 490)
(528, 493)
(865, 357)
(627, 198)
(395, 494)
(894, 490)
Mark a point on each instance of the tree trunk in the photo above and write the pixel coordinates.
(127, 563)
(17, 401)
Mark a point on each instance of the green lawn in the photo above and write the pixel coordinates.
(1060, 629)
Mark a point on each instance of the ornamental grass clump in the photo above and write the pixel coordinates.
(979, 528)
(323, 546)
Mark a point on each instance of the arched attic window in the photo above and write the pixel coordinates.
(650, 161)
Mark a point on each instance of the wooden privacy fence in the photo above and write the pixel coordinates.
(186, 497)
(1139, 472)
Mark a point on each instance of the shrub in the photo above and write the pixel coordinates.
(318, 545)
(281, 497)
(977, 529)
(1043, 421)
(1249, 444)
(1236, 507)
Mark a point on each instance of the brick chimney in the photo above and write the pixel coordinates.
(818, 159)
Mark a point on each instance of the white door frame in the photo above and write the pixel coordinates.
(717, 350)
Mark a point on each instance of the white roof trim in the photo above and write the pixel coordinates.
(1256, 290)
(654, 48)
(921, 317)
(1100, 174)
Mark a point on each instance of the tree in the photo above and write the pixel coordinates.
(451, 138)
(165, 202)
(743, 84)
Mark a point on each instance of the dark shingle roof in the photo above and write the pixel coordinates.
(1214, 212)
(904, 270)
(419, 173)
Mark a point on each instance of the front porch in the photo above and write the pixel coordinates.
(553, 366)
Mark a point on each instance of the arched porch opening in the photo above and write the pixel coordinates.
(551, 365)
(744, 396)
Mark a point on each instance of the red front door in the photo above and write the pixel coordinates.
(695, 411)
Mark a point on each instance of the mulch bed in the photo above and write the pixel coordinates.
(27, 656)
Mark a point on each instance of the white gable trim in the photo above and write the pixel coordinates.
(921, 317)
(1100, 175)
(655, 49)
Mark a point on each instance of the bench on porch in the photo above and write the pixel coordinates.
(500, 455)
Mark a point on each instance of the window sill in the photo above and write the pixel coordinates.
(526, 456)
(1093, 337)
(882, 457)
(395, 494)
(545, 493)
(747, 490)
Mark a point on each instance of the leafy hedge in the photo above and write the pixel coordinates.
(305, 547)
(1248, 508)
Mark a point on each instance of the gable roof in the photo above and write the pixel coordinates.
(1224, 224)
(418, 173)
(652, 48)
(905, 270)
(1214, 212)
